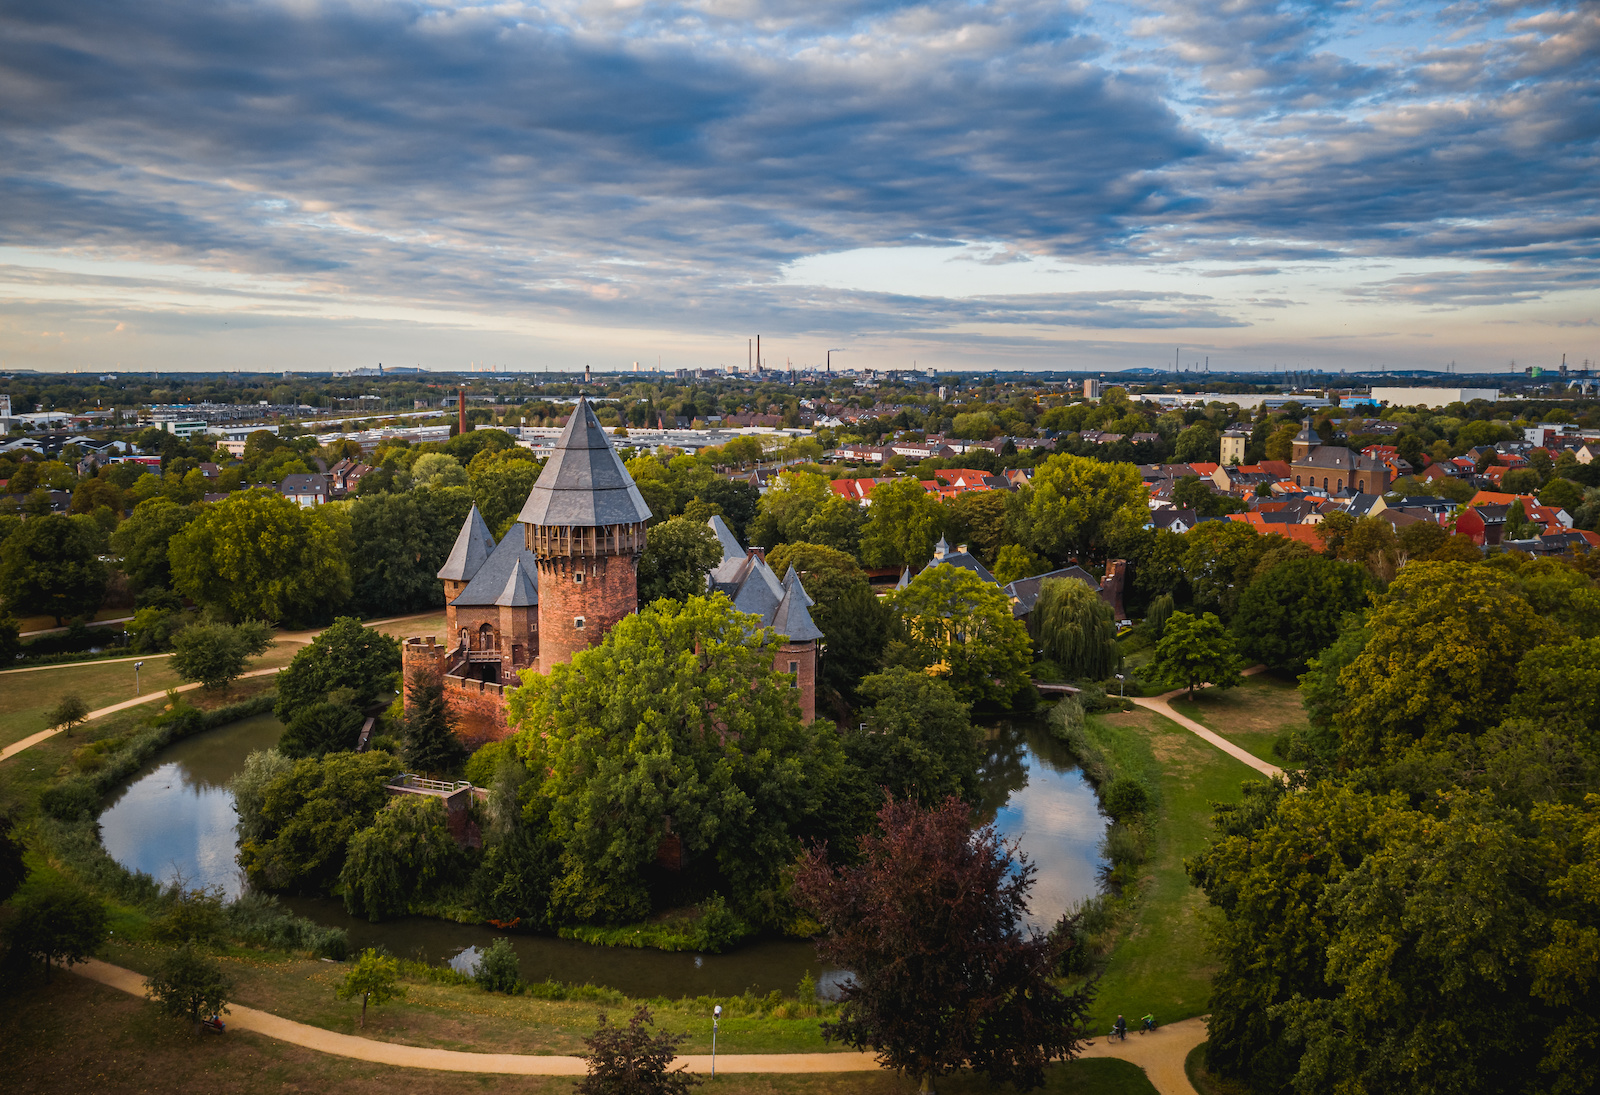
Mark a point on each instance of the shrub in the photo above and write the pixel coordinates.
(1125, 798)
(497, 969)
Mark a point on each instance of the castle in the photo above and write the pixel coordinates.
(565, 574)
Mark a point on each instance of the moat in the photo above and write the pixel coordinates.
(176, 816)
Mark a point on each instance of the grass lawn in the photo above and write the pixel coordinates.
(1252, 716)
(76, 1035)
(1161, 965)
(26, 697)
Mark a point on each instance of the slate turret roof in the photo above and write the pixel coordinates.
(509, 579)
(474, 545)
(585, 483)
(753, 587)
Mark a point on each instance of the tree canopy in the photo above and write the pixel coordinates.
(1073, 506)
(1195, 651)
(675, 731)
(1077, 629)
(961, 629)
(1293, 611)
(904, 522)
(258, 554)
(919, 742)
(308, 815)
(346, 655)
(678, 555)
(50, 566)
(943, 974)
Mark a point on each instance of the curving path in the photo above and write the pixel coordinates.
(1160, 1054)
(44, 735)
(1160, 706)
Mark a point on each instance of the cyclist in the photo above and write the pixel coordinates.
(1149, 1022)
(1121, 1028)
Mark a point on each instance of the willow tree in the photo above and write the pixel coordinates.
(1076, 629)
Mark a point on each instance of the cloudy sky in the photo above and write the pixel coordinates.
(303, 184)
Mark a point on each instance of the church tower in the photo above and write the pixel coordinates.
(585, 525)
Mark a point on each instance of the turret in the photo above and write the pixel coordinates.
(585, 523)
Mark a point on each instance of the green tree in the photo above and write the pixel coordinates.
(630, 1061)
(1293, 611)
(308, 816)
(398, 544)
(919, 742)
(407, 852)
(429, 740)
(678, 555)
(836, 523)
(50, 567)
(188, 985)
(783, 512)
(322, 728)
(1219, 559)
(961, 628)
(142, 541)
(67, 713)
(1196, 650)
(501, 482)
(1563, 494)
(215, 654)
(54, 920)
(249, 789)
(1075, 506)
(438, 469)
(13, 867)
(903, 523)
(1016, 561)
(1201, 442)
(977, 518)
(1442, 659)
(675, 725)
(1518, 527)
(1077, 630)
(260, 555)
(346, 655)
(853, 621)
(374, 977)
(943, 974)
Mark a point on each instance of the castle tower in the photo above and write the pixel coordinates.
(474, 544)
(585, 526)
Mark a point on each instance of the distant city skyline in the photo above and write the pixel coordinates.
(1275, 184)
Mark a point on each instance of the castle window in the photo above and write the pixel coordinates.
(794, 669)
(578, 577)
(577, 622)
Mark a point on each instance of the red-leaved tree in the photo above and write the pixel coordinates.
(943, 975)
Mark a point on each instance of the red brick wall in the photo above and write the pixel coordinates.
(479, 710)
(806, 674)
(422, 654)
(608, 592)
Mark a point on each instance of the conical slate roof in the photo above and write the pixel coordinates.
(510, 579)
(791, 584)
(759, 590)
(791, 618)
(726, 573)
(474, 545)
(585, 483)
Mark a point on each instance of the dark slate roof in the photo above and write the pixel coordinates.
(509, 579)
(1025, 591)
(304, 484)
(1307, 434)
(790, 618)
(474, 545)
(791, 583)
(585, 483)
(726, 573)
(759, 590)
(943, 556)
(1166, 516)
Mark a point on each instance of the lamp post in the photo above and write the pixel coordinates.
(136, 667)
(716, 1014)
(1122, 687)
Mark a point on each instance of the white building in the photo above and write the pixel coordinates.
(1432, 397)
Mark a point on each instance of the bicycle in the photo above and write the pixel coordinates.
(1147, 1024)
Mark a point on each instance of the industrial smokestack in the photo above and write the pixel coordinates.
(461, 412)
(758, 353)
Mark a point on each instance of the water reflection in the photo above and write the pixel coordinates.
(1035, 794)
(177, 814)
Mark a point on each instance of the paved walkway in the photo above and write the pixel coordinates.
(86, 661)
(1161, 706)
(1160, 1054)
(149, 697)
(44, 735)
(60, 630)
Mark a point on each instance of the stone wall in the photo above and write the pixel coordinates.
(479, 709)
